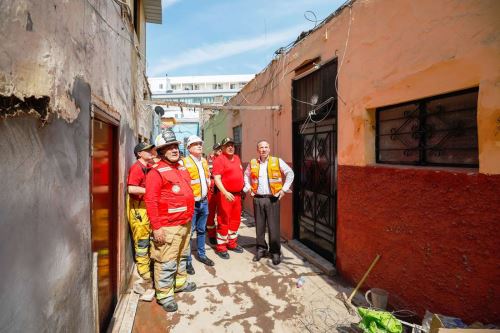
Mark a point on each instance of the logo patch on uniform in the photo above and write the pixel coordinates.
(176, 188)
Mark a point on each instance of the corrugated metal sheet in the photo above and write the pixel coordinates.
(152, 11)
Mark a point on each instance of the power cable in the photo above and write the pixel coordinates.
(343, 55)
(315, 20)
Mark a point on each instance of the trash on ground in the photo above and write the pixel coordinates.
(373, 321)
(300, 282)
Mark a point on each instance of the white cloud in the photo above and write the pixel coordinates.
(168, 3)
(226, 49)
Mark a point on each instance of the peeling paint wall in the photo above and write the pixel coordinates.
(45, 219)
(400, 51)
(57, 58)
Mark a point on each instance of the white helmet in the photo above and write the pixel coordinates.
(192, 139)
(166, 138)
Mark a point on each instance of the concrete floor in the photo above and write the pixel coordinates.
(238, 295)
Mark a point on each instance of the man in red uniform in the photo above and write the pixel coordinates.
(212, 197)
(228, 177)
(138, 219)
(170, 206)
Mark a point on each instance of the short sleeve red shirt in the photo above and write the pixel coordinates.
(137, 177)
(231, 172)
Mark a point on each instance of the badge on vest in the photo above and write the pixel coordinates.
(176, 188)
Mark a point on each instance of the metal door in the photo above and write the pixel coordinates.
(315, 160)
(104, 216)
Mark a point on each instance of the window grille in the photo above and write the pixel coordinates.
(440, 131)
(237, 140)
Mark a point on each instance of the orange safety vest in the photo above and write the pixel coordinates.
(273, 174)
(192, 168)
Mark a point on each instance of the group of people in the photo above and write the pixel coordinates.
(172, 199)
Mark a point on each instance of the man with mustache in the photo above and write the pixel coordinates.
(228, 177)
(170, 205)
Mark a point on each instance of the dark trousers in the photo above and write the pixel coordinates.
(267, 213)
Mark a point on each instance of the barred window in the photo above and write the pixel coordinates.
(440, 131)
(237, 140)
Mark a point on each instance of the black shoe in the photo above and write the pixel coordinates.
(212, 241)
(259, 256)
(223, 255)
(170, 307)
(206, 261)
(187, 287)
(190, 269)
(237, 249)
(276, 258)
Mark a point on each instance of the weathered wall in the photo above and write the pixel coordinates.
(437, 236)
(216, 125)
(400, 51)
(71, 54)
(45, 219)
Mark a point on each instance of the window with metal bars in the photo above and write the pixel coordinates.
(237, 139)
(435, 131)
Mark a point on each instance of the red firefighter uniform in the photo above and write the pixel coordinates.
(229, 212)
(138, 219)
(212, 207)
(170, 206)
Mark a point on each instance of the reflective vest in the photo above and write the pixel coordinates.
(273, 174)
(192, 168)
(176, 205)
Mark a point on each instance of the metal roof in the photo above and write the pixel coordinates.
(152, 11)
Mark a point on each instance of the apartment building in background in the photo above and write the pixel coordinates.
(207, 89)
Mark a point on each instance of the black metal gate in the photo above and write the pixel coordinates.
(315, 159)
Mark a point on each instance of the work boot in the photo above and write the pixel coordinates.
(237, 249)
(212, 240)
(141, 285)
(187, 287)
(223, 255)
(170, 306)
(190, 269)
(148, 296)
(206, 261)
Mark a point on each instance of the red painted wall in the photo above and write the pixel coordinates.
(438, 233)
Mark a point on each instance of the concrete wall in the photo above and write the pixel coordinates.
(217, 125)
(45, 218)
(390, 52)
(61, 57)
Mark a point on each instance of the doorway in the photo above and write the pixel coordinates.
(314, 112)
(104, 218)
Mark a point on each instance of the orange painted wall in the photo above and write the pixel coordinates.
(391, 52)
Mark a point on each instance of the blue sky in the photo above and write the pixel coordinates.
(212, 37)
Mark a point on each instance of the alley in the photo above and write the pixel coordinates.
(238, 295)
(362, 135)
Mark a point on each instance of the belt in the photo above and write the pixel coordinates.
(263, 196)
(204, 199)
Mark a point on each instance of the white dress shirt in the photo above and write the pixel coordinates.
(263, 188)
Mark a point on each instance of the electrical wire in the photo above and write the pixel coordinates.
(315, 20)
(108, 24)
(343, 55)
